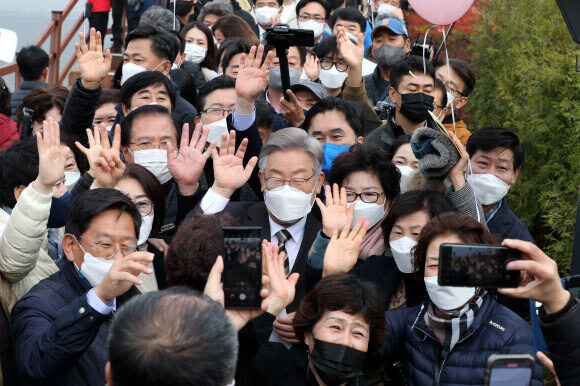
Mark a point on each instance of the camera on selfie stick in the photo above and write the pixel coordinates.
(283, 37)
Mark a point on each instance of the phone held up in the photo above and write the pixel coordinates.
(513, 370)
(477, 265)
(242, 275)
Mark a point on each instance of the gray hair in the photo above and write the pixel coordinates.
(292, 138)
(216, 7)
(157, 16)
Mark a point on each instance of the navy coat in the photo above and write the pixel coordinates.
(506, 225)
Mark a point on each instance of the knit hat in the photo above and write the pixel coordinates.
(435, 151)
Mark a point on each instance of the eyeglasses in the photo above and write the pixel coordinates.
(368, 197)
(150, 145)
(145, 207)
(217, 113)
(453, 90)
(297, 183)
(327, 64)
(108, 250)
(306, 17)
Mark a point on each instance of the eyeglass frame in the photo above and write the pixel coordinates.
(333, 63)
(153, 146)
(305, 180)
(148, 201)
(217, 108)
(97, 248)
(311, 18)
(357, 195)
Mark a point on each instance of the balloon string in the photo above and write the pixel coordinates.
(371, 3)
(424, 60)
(449, 79)
(174, 15)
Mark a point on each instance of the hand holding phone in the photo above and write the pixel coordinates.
(513, 370)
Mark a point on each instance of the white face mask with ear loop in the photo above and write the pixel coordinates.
(94, 269)
(288, 204)
(146, 226)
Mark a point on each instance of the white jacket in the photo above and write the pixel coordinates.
(24, 259)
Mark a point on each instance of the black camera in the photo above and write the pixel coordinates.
(417, 48)
(27, 123)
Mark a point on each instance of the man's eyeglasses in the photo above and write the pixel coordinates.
(217, 113)
(277, 183)
(108, 250)
(145, 145)
(306, 17)
(327, 64)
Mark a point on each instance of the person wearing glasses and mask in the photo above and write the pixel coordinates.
(290, 171)
(60, 327)
(313, 15)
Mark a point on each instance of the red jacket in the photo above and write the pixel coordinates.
(8, 131)
(100, 5)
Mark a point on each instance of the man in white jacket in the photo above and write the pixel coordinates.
(28, 172)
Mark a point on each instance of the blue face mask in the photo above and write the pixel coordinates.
(58, 208)
(331, 151)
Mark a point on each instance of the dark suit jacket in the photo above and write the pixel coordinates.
(506, 225)
(256, 30)
(255, 214)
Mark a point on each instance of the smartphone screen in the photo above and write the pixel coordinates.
(510, 376)
(477, 265)
(242, 275)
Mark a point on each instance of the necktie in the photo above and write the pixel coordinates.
(283, 236)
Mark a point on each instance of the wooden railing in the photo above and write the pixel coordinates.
(57, 47)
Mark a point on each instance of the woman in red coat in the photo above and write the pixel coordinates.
(99, 15)
(8, 130)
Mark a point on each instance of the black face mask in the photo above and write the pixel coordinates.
(415, 106)
(182, 8)
(336, 364)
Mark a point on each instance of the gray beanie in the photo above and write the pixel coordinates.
(435, 151)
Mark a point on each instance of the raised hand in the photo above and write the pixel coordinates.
(292, 110)
(351, 53)
(186, 167)
(51, 158)
(252, 78)
(281, 289)
(456, 174)
(312, 66)
(549, 364)
(123, 274)
(104, 160)
(228, 166)
(94, 67)
(342, 252)
(335, 212)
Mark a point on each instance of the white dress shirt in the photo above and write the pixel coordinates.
(292, 245)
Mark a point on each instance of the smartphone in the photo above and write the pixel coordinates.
(572, 284)
(242, 275)
(513, 370)
(477, 265)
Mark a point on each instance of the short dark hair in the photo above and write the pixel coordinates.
(163, 43)
(492, 137)
(147, 111)
(18, 167)
(194, 249)
(224, 47)
(401, 140)
(335, 4)
(32, 61)
(264, 114)
(153, 189)
(411, 63)
(346, 293)
(144, 79)
(326, 48)
(464, 71)
(181, 41)
(439, 86)
(172, 337)
(367, 158)
(219, 83)
(348, 14)
(88, 205)
(109, 95)
(41, 100)
(241, 46)
(469, 230)
(186, 84)
(302, 3)
(4, 99)
(210, 56)
(334, 104)
(434, 203)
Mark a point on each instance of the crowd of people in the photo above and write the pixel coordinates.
(115, 194)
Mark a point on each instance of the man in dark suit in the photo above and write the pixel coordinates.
(267, 14)
(290, 171)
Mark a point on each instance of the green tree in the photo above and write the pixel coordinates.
(525, 61)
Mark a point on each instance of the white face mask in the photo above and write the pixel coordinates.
(488, 188)
(372, 212)
(195, 53)
(406, 172)
(130, 69)
(71, 179)
(288, 204)
(386, 8)
(401, 250)
(332, 78)
(266, 15)
(216, 130)
(447, 298)
(315, 26)
(154, 160)
(449, 99)
(94, 269)
(109, 128)
(145, 230)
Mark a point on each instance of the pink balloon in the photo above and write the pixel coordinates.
(441, 12)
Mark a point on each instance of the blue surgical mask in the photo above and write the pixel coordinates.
(58, 208)
(331, 151)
